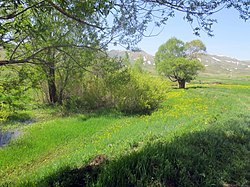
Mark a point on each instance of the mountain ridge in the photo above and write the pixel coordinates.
(214, 64)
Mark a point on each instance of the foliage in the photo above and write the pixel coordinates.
(172, 48)
(138, 64)
(117, 21)
(54, 34)
(194, 48)
(93, 90)
(85, 96)
(116, 86)
(48, 50)
(176, 60)
(15, 83)
(142, 94)
(49, 40)
(179, 69)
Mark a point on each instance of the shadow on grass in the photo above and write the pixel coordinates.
(112, 113)
(195, 87)
(67, 177)
(215, 157)
(219, 156)
(73, 177)
(19, 117)
(190, 87)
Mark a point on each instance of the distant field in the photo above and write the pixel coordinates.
(200, 137)
(222, 79)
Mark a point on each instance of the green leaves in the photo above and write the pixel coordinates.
(172, 48)
(195, 48)
(176, 60)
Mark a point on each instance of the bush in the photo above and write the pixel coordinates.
(142, 94)
(125, 90)
(14, 86)
(4, 111)
(89, 95)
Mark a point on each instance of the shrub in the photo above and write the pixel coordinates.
(4, 111)
(88, 95)
(125, 90)
(15, 84)
(142, 94)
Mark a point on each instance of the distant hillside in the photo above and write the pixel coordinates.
(147, 58)
(225, 65)
(215, 64)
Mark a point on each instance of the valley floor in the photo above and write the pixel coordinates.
(199, 137)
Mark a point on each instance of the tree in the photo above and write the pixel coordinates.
(180, 69)
(194, 48)
(171, 49)
(175, 60)
(55, 49)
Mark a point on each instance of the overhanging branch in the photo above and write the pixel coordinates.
(58, 8)
(15, 14)
(74, 60)
(32, 56)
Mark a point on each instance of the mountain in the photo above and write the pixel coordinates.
(224, 65)
(133, 55)
(148, 59)
(214, 64)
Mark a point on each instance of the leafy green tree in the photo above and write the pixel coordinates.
(53, 48)
(15, 81)
(171, 49)
(180, 69)
(175, 60)
(195, 48)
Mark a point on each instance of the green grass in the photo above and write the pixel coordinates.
(200, 137)
(223, 79)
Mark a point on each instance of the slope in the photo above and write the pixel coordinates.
(215, 64)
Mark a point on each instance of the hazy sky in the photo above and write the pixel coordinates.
(232, 35)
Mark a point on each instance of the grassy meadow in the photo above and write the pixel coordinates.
(200, 136)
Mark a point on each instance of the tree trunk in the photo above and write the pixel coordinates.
(182, 83)
(52, 84)
(60, 96)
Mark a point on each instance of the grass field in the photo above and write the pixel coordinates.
(199, 137)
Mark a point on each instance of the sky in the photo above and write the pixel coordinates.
(231, 35)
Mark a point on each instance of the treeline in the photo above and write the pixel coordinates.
(95, 82)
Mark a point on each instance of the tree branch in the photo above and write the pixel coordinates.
(172, 78)
(25, 60)
(14, 14)
(14, 51)
(58, 8)
(70, 56)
